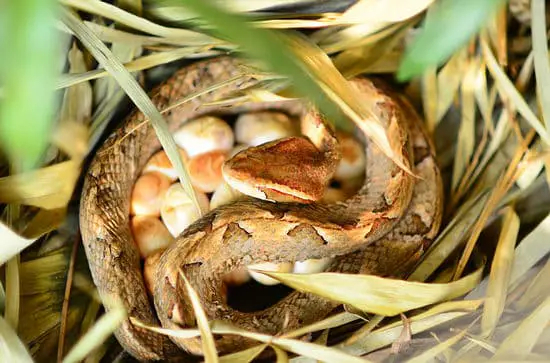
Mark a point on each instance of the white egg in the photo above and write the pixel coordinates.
(203, 135)
(161, 164)
(148, 194)
(224, 194)
(311, 266)
(260, 127)
(150, 235)
(177, 210)
(353, 159)
(269, 266)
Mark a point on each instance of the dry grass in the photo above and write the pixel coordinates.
(480, 293)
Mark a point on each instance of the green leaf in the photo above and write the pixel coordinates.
(26, 111)
(449, 27)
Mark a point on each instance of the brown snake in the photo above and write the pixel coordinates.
(382, 230)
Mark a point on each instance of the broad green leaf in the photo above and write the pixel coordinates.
(451, 25)
(27, 106)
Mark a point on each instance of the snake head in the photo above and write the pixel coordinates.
(292, 169)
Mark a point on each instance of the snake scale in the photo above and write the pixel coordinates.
(381, 230)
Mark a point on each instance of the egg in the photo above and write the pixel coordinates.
(311, 266)
(352, 163)
(224, 194)
(150, 235)
(257, 128)
(269, 266)
(177, 210)
(204, 134)
(148, 194)
(160, 163)
(205, 170)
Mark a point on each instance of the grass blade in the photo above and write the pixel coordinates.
(207, 340)
(102, 329)
(501, 269)
(136, 94)
(11, 347)
(540, 51)
(508, 90)
(523, 339)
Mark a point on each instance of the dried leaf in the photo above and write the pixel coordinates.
(448, 82)
(531, 249)
(102, 329)
(537, 290)
(44, 274)
(466, 132)
(12, 243)
(77, 100)
(207, 340)
(327, 323)
(375, 294)
(507, 89)
(385, 336)
(137, 64)
(280, 355)
(540, 52)
(13, 287)
(43, 187)
(112, 12)
(319, 352)
(520, 343)
(501, 270)
(450, 238)
(430, 98)
(366, 11)
(11, 347)
(244, 356)
(432, 353)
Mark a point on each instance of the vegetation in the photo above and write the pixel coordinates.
(478, 70)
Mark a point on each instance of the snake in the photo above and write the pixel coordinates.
(382, 230)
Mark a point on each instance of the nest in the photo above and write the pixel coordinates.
(478, 71)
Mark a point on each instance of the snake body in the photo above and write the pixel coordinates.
(382, 230)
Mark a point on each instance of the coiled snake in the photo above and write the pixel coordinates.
(381, 230)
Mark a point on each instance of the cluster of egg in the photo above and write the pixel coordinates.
(161, 210)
